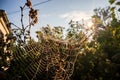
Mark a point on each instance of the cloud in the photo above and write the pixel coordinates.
(76, 15)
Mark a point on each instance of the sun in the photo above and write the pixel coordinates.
(89, 24)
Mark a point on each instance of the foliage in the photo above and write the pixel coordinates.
(5, 53)
(56, 56)
(111, 1)
(102, 60)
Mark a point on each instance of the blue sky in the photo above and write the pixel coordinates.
(54, 12)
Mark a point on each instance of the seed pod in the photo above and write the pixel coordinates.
(28, 4)
(35, 20)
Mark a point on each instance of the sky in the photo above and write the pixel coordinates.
(54, 12)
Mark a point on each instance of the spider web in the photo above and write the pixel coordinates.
(53, 56)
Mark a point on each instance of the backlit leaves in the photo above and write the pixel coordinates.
(118, 3)
(111, 1)
(112, 9)
(119, 9)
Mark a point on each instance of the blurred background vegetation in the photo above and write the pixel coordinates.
(98, 57)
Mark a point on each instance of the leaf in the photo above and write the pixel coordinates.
(112, 9)
(118, 3)
(111, 1)
(119, 9)
(114, 31)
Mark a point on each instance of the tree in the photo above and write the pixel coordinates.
(101, 61)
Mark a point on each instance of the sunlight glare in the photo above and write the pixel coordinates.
(89, 24)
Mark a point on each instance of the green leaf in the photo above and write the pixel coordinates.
(111, 1)
(113, 32)
(119, 9)
(112, 9)
(118, 3)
